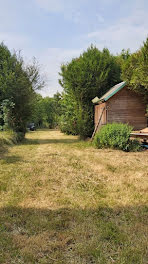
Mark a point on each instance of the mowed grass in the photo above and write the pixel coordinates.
(62, 201)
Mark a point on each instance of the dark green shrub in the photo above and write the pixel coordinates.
(68, 125)
(85, 123)
(90, 74)
(116, 136)
(134, 145)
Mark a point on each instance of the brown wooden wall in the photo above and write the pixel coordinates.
(98, 111)
(127, 107)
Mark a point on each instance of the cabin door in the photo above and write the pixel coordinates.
(100, 114)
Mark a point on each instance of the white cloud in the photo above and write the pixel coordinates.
(127, 33)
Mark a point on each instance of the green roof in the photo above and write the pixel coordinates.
(110, 93)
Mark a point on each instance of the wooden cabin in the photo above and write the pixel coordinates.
(120, 105)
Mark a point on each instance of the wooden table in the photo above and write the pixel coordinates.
(140, 135)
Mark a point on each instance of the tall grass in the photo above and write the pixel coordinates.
(7, 138)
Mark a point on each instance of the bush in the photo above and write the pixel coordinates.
(68, 125)
(134, 145)
(116, 136)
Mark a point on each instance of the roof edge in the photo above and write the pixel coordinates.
(97, 100)
(116, 91)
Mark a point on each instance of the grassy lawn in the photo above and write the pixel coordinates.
(62, 201)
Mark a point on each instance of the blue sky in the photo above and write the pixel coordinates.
(54, 31)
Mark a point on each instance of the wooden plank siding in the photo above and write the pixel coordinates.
(127, 107)
(98, 112)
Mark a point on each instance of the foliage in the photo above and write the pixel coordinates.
(58, 107)
(7, 137)
(5, 113)
(46, 111)
(116, 136)
(18, 84)
(49, 109)
(135, 70)
(134, 145)
(93, 73)
(68, 118)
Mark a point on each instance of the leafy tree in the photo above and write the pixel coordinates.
(18, 84)
(38, 111)
(135, 71)
(49, 109)
(6, 71)
(125, 54)
(68, 118)
(5, 114)
(46, 111)
(58, 107)
(93, 73)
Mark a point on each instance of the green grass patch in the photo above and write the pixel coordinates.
(62, 201)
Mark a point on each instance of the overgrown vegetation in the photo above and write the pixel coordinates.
(135, 69)
(93, 73)
(116, 136)
(18, 85)
(46, 111)
(7, 138)
(62, 201)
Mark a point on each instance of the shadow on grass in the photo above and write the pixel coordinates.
(49, 141)
(103, 235)
(3, 151)
(11, 159)
(5, 158)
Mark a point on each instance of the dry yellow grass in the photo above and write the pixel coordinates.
(62, 201)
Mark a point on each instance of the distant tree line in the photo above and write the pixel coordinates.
(46, 111)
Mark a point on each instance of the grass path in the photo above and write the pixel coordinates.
(62, 201)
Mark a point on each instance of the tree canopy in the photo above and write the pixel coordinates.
(93, 73)
(18, 85)
(46, 111)
(135, 70)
